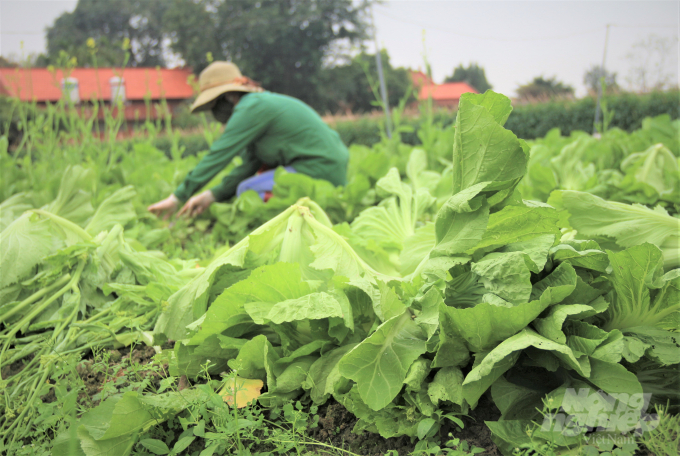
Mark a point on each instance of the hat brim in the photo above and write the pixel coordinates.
(202, 102)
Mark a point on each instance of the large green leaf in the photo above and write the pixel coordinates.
(518, 224)
(251, 361)
(263, 289)
(585, 338)
(510, 434)
(506, 275)
(636, 274)
(504, 356)
(615, 379)
(134, 412)
(292, 376)
(117, 208)
(418, 174)
(551, 325)
(585, 254)
(324, 374)
(461, 222)
(485, 324)
(536, 249)
(417, 374)
(380, 363)
(191, 301)
(516, 401)
(561, 283)
(498, 106)
(629, 225)
(452, 350)
(110, 447)
(331, 251)
(75, 192)
(416, 248)
(447, 385)
(23, 245)
(391, 222)
(658, 344)
(385, 301)
(483, 150)
(13, 207)
(656, 167)
(313, 306)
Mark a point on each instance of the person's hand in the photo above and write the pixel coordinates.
(165, 207)
(197, 204)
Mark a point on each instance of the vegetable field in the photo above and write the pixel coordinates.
(475, 294)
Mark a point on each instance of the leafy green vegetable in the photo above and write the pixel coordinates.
(483, 150)
(643, 296)
(445, 275)
(380, 363)
(628, 225)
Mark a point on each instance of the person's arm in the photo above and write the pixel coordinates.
(247, 123)
(227, 188)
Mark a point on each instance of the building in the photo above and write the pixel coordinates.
(134, 88)
(420, 79)
(445, 95)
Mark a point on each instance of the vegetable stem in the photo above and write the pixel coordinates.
(34, 297)
(24, 321)
(65, 223)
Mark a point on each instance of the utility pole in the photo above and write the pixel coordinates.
(599, 87)
(381, 77)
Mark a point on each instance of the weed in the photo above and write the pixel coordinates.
(665, 438)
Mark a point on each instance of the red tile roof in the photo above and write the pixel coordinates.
(40, 84)
(420, 79)
(446, 91)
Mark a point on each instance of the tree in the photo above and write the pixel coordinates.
(110, 24)
(594, 75)
(541, 89)
(654, 64)
(474, 75)
(347, 87)
(7, 63)
(280, 43)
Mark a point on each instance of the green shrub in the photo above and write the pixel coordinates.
(534, 121)
(365, 130)
(9, 120)
(193, 144)
(183, 119)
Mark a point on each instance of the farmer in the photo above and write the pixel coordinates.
(267, 130)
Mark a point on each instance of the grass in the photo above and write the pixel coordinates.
(665, 438)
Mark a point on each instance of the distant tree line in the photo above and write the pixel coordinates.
(473, 74)
(310, 49)
(283, 44)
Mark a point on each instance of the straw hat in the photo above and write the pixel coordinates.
(218, 78)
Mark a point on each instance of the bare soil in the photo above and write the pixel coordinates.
(336, 424)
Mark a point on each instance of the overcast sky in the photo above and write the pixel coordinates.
(513, 40)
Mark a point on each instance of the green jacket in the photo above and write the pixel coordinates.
(274, 130)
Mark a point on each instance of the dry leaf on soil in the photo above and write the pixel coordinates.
(246, 391)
